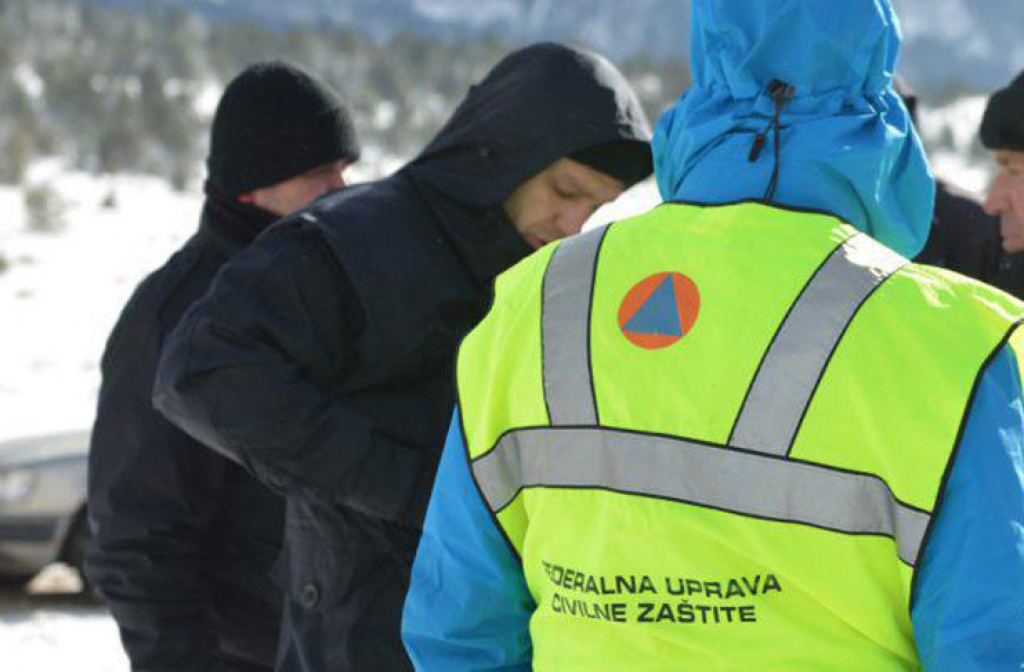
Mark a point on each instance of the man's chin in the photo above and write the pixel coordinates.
(535, 242)
(1013, 245)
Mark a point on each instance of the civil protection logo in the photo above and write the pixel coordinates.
(659, 310)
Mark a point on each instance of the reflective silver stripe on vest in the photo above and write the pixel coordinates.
(794, 363)
(568, 286)
(744, 483)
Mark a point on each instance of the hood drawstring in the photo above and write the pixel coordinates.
(781, 94)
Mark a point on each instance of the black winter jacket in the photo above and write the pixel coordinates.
(322, 357)
(1010, 276)
(183, 538)
(965, 239)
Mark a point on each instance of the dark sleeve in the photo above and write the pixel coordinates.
(964, 239)
(152, 494)
(249, 371)
(468, 605)
(970, 579)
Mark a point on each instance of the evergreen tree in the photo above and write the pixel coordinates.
(18, 151)
(120, 85)
(45, 209)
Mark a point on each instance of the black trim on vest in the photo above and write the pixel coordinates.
(543, 348)
(709, 507)
(940, 498)
(494, 514)
(590, 323)
(469, 465)
(465, 438)
(701, 442)
(775, 337)
(828, 362)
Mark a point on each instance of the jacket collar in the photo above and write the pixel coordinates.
(232, 225)
(484, 239)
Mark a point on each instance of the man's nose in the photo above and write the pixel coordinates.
(995, 200)
(571, 222)
(336, 181)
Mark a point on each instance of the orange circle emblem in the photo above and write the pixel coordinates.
(659, 310)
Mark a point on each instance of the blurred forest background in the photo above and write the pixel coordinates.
(131, 91)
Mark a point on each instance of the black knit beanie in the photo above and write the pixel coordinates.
(274, 122)
(1002, 127)
(628, 161)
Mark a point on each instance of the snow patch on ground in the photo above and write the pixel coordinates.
(208, 98)
(29, 80)
(58, 635)
(62, 292)
(52, 627)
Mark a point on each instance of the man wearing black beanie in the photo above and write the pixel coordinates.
(184, 538)
(322, 356)
(1002, 131)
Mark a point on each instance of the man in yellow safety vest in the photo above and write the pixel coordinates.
(741, 431)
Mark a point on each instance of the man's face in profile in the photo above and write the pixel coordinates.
(557, 202)
(297, 192)
(1006, 199)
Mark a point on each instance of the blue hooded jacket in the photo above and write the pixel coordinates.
(847, 146)
(847, 142)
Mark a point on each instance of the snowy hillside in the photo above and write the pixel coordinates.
(617, 28)
(950, 44)
(62, 291)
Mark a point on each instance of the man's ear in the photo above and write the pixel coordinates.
(248, 198)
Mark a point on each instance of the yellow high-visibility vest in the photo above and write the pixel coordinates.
(715, 436)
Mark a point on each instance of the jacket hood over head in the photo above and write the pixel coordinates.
(847, 143)
(537, 105)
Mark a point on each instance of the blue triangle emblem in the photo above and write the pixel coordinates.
(659, 314)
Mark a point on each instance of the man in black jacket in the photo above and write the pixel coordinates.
(322, 357)
(963, 238)
(184, 538)
(1002, 132)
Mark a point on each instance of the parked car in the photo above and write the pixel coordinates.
(42, 504)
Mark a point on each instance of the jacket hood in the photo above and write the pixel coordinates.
(537, 105)
(847, 143)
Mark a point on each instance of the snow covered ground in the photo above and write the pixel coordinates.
(51, 629)
(55, 633)
(62, 292)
